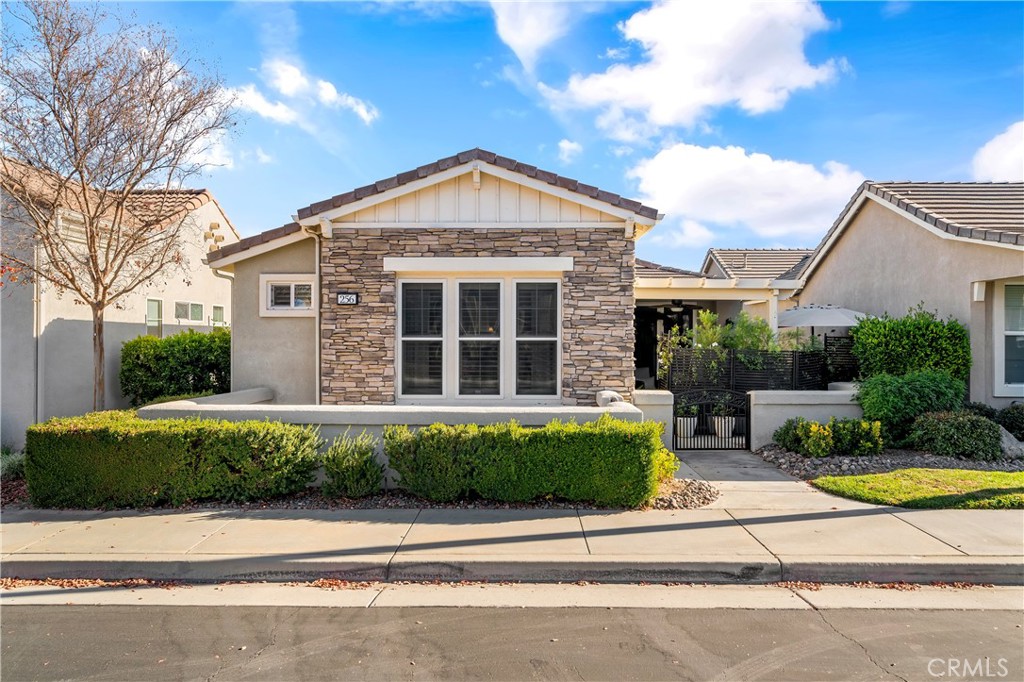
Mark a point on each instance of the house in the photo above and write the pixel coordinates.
(958, 248)
(46, 336)
(473, 280)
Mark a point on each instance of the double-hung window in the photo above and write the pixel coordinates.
(468, 339)
(154, 317)
(189, 312)
(1009, 339)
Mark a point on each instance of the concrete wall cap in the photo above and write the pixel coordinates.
(802, 397)
(650, 397)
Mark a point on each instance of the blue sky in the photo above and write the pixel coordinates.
(747, 124)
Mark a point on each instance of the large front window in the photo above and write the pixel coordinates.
(1012, 335)
(481, 339)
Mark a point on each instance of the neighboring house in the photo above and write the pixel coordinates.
(46, 337)
(958, 248)
(474, 280)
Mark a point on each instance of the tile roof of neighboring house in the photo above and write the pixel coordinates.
(255, 240)
(645, 268)
(487, 157)
(151, 204)
(759, 263)
(986, 211)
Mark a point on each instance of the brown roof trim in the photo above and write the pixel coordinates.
(250, 242)
(646, 268)
(487, 157)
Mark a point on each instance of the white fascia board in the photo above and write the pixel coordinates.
(259, 250)
(473, 264)
(463, 169)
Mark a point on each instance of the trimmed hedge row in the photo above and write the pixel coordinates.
(897, 401)
(917, 341)
(115, 459)
(185, 364)
(608, 462)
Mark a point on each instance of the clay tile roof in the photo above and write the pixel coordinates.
(759, 263)
(468, 157)
(986, 211)
(255, 240)
(150, 204)
(645, 268)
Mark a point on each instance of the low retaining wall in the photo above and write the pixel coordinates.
(657, 406)
(770, 409)
(334, 420)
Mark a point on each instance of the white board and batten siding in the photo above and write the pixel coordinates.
(498, 202)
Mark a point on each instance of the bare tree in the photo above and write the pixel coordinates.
(99, 118)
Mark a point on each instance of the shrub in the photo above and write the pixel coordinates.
(114, 459)
(982, 410)
(607, 462)
(918, 341)
(1012, 419)
(956, 434)
(836, 437)
(12, 464)
(351, 468)
(184, 364)
(897, 401)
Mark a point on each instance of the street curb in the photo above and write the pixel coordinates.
(715, 570)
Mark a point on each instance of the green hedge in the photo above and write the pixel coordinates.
(608, 462)
(351, 468)
(188, 363)
(956, 434)
(897, 401)
(1012, 419)
(918, 341)
(114, 459)
(835, 437)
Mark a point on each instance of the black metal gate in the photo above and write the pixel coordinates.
(711, 419)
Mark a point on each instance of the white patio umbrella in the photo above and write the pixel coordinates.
(820, 316)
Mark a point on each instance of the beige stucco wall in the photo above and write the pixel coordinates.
(64, 347)
(884, 262)
(276, 352)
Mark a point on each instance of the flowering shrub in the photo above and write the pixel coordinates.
(836, 437)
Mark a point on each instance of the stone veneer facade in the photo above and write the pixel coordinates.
(357, 343)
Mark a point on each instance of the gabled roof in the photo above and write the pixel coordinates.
(254, 241)
(645, 268)
(469, 156)
(985, 212)
(760, 263)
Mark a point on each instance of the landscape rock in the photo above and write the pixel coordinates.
(1012, 448)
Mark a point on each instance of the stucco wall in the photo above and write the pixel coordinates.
(358, 343)
(277, 352)
(64, 348)
(885, 263)
(771, 409)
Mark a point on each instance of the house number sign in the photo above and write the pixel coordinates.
(348, 299)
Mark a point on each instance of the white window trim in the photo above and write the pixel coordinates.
(148, 299)
(487, 266)
(450, 354)
(1000, 388)
(267, 280)
(202, 319)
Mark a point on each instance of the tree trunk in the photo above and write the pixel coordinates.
(99, 370)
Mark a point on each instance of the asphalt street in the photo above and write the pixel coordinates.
(310, 643)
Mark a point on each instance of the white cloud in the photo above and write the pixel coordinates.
(528, 27)
(683, 233)
(568, 150)
(262, 156)
(213, 152)
(1001, 159)
(621, 150)
(251, 99)
(699, 56)
(285, 77)
(329, 96)
(733, 189)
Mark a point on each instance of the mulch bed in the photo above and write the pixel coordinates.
(809, 468)
(674, 494)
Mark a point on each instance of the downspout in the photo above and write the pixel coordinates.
(37, 332)
(316, 235)
(230, 277)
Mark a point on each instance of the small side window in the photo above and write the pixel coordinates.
(180, 310)
(218, 314)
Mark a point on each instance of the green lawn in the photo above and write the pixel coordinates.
(931, 488)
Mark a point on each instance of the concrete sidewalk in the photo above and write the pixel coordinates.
(765, 527)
